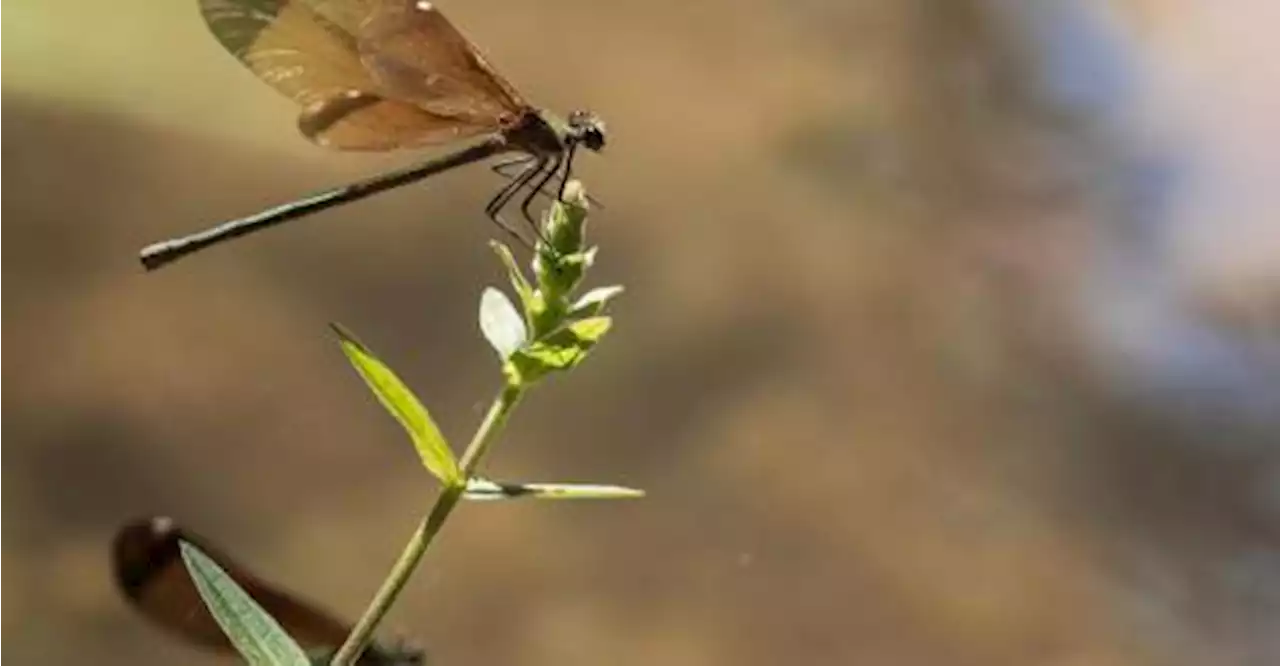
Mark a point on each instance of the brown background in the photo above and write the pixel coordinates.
(950, 338)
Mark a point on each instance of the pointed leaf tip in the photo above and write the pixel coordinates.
(404, 406)
(345, 335)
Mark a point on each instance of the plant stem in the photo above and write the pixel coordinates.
(501, 408)
(430, 526)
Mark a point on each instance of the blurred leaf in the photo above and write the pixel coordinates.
(404, 406)
(254, 633)
(485, 490)
(586, 258)
(501, 323)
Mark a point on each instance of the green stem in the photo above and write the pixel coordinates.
(430, 526)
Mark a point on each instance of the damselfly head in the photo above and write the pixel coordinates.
(588, 129)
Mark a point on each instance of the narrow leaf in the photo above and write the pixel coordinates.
(404, 406)
(501, 324)
(518, 282)
(254, 633)
(481, 490)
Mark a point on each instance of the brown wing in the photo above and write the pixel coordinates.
(414, 52)
(151, 574)
(359, 120)
(149, 570)
(308, 50)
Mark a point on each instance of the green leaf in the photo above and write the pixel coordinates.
(558, 352)
(546, 315)
(501, 324)
(520, 371)
(560, 262)
(557, 277)
(524, 291)
(586, 258)
(404, 406)
(561, 350)
(482, 490)
(594, 302)
(556, 357)
(566, 221)
(591, 329)
(254, 633)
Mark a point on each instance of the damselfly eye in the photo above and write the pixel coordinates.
(594, 138)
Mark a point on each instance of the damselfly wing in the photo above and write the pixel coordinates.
(378, 75)
(152, 577)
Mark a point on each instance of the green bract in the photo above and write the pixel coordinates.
(560, 332)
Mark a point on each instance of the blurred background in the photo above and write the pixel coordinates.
(952, 336)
